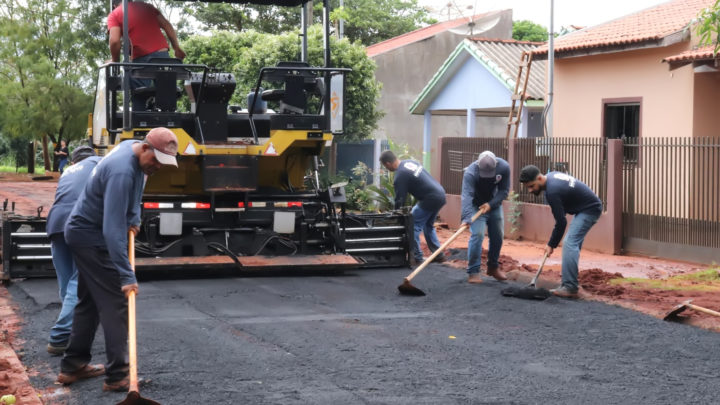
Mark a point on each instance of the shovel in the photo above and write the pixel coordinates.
(530, 292)
(406, 288)
(687, 305)
(133, 396)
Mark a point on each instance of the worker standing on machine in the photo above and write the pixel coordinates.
(97, 233)
(145, 23)
(411, 177)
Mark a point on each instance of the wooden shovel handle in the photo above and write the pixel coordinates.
(132, 331)
(443, 246)
(701, 309)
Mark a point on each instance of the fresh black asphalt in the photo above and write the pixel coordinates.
(350, 338)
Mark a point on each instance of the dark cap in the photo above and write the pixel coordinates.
(529, 173)
(165, 145)
(487, 163)
(81, 152)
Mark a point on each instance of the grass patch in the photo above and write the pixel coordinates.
(11, 169)
(706, 280)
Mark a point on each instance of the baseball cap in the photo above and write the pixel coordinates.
(487, 162)
(165, 145)
(81, 152)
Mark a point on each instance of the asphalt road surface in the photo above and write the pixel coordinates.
(350, 338)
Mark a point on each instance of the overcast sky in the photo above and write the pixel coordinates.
(567, 12)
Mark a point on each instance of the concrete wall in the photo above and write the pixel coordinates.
(582, 83)
(405, 71)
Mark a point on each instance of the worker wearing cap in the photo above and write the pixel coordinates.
(565, 195)
(97, 233)
(486, 184)
(411, 177)
(70, 185)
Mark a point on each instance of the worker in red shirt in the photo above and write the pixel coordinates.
(145, 23)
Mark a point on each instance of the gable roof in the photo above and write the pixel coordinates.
(420, 34)
(661, 25)
(500, 57)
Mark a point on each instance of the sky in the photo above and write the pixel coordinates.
(566, 12)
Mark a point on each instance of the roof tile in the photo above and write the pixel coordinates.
(650, 24)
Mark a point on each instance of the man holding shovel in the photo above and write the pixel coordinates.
(97, 233)
(565, 194)
(411, 177)
(486, 184)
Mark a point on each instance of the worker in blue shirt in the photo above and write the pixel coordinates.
(486, 184)
(565, 195)
(69, 187)
(411, 177)
(97, 233)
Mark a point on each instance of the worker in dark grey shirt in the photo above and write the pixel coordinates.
(410, 177)
(70, 185)
(486, 184)
(97, 233)
(565, 195)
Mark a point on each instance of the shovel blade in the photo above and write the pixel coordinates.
(134, 398)
(408, 289)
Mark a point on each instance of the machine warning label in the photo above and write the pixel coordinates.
(270, 150)
(190, 150)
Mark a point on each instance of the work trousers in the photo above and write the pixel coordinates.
(424, 222)
(579, 227)
(100, 300)
(67, 285)
(493, 222)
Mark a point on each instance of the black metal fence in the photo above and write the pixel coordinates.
(458, 153)
(671, 190)
(582, 158)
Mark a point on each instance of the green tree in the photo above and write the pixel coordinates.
(367, 21)
(373, 21)
(245, 53)
(708, 27)
(47, 66)
(526, 30)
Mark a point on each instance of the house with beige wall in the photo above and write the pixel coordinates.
(613, 80)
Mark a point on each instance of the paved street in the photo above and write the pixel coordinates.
(351, 339)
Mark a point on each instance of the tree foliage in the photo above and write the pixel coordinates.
(709, 26)
(245, 53)
(526, 30)
(48, 56)
(367, 21)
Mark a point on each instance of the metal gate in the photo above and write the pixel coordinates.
(671, 197)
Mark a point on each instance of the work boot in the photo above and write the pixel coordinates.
(57, 349)
(89, 371)
(565, 292)
(474, 278)
(496, 273)
(117, 386)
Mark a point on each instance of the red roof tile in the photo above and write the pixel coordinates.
(653, 23)
(702, 53)
(419, 34)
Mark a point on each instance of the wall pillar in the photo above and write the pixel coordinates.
(615, 192)
(512, 146)
(427, 136)
(470, 126)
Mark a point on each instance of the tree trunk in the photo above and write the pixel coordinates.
(46, 153)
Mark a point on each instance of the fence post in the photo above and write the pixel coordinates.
(615, 192)
(512, 143)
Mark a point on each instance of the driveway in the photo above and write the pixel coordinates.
(349, 338)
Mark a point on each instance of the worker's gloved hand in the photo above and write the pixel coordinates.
(130, 287)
